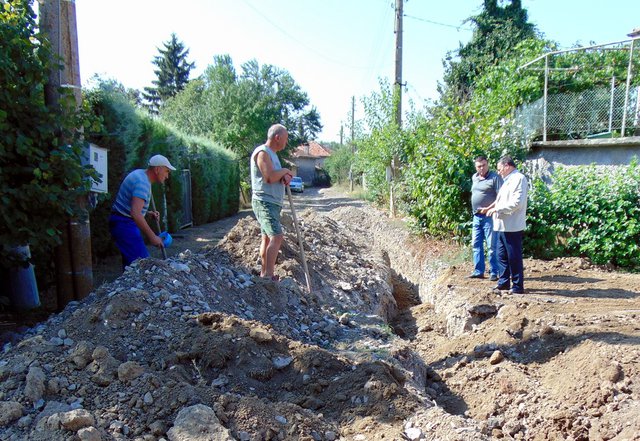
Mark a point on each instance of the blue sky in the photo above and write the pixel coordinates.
(334, 49)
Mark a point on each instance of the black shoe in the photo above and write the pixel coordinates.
(500, 288)
(516, 291)
(493, 278)
(476, 276)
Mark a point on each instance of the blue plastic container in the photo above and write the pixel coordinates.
(22, 282)
(167, 240)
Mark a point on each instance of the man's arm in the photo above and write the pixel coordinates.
(137, 204)
(271, 176)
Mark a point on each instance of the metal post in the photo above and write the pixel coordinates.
(613, 91)
(544, 102)
(626, 90)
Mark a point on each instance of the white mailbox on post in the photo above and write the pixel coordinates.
(97, 157)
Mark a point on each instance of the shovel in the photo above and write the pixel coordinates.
(300, 242)
(153, 207)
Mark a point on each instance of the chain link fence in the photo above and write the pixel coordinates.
(589, 114)
(586, 93)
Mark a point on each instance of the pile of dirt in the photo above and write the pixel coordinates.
(393, 342)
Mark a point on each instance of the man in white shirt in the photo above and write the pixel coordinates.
(509, 213)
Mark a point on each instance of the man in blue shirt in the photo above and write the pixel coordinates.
(127, 222)
(484, 190)
(268, 181)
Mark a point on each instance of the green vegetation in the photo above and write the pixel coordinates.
(132, 136)
(236, 110)
(172, 74)
(41, 175)
(587, 212)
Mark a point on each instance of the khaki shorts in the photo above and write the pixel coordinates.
(268, 216)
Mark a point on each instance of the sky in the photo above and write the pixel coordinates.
(333, 49)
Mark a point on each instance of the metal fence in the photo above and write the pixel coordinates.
(597, 112)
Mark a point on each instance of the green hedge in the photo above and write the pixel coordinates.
(587, 211)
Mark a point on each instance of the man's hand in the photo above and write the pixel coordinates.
(286, 179)
(154, 214)
(156, 241)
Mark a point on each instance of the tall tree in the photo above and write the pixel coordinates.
(172, 74)
(498, 29)
(236, 110)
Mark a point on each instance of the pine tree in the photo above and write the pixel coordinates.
(172, 74)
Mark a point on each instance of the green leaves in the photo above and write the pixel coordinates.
(41, 176)
(587, 211)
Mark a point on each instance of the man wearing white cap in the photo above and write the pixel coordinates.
(127, 222)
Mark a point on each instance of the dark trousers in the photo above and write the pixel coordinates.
(509, 250)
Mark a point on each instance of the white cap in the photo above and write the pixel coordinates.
(159, 160)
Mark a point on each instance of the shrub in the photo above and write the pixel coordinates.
(590, 212)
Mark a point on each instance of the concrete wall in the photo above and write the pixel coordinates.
(545, 157)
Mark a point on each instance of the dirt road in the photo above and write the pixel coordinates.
(393, 342)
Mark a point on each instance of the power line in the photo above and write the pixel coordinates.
(458, 28)
(340, 63)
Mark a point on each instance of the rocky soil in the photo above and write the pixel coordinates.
(392, 342)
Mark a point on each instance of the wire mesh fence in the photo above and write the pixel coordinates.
(591, 92)
(588, 114)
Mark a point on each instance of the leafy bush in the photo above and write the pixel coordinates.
(339, 163)
(447, 140)
(41, 176)
(590, 212)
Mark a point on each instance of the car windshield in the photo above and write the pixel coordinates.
(296, 179)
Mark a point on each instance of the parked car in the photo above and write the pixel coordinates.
(296, 184)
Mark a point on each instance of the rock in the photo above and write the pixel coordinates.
(76, 419)
(129, 370)
(413, 433)
(496, 357)
(260, 335)
(89, 434)
(198, 423)
(81, 355)
(9, 412)
(282, 362)
(35, 387)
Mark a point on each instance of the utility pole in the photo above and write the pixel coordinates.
(398, 102)
(73, 257)
(353, 144)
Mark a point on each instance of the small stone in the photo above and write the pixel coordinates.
(129, 370)
(282, 362)
(9, 412)
(260, 335)
(413, 433)
(496, 357)
(89, 434)
(330, 436)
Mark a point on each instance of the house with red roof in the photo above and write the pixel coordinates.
(309, 160)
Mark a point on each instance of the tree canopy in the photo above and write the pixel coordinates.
(172, 74)
(497, 32)
(236, 109)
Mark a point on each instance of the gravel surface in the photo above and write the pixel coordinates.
(392, 342)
